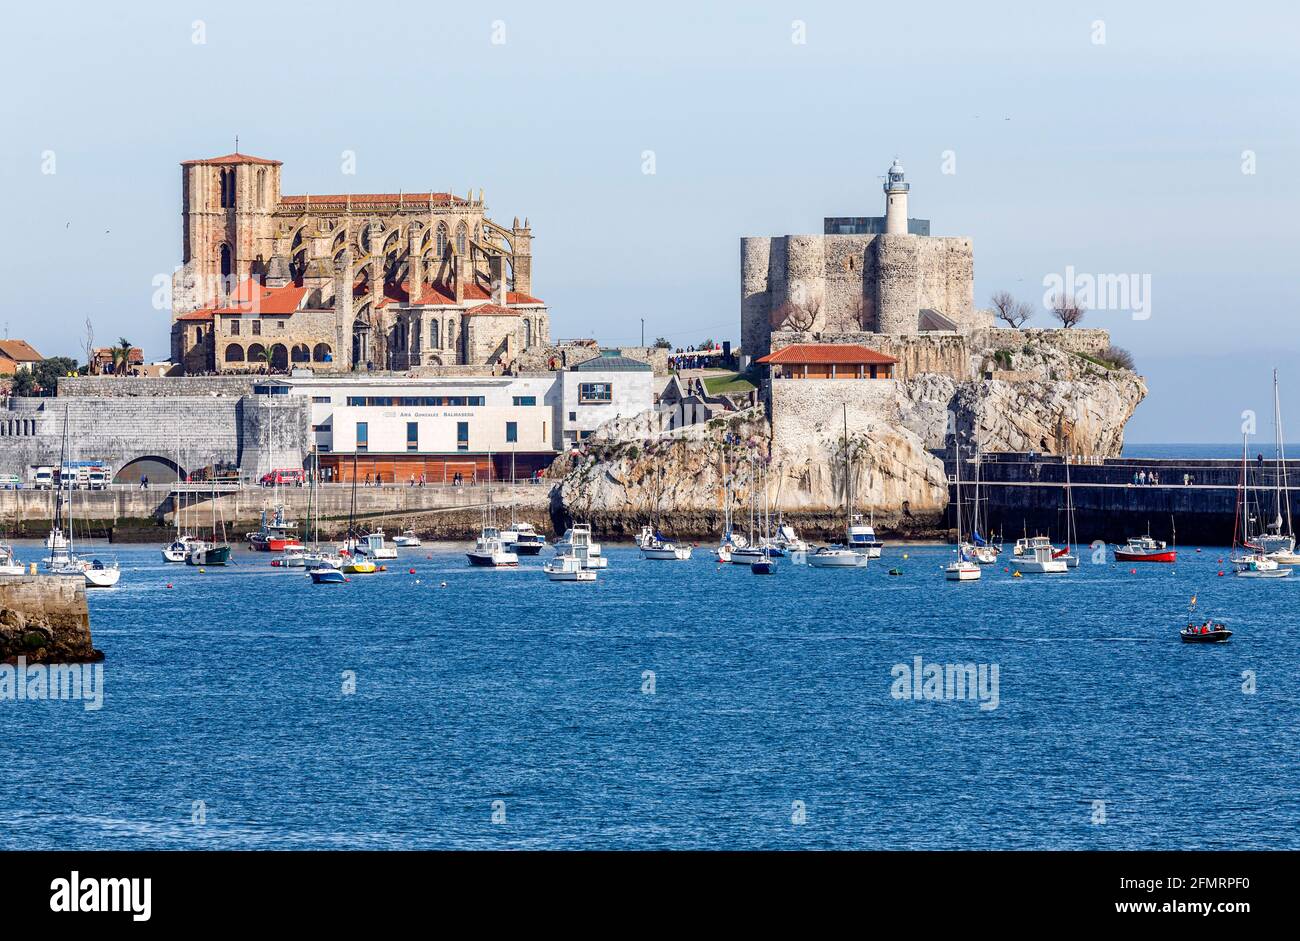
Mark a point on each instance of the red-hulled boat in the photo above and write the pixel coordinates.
(276, 533)
(1145, 549)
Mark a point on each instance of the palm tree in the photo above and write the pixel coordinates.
(122, 356)
(266, 357)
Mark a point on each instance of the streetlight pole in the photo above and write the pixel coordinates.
(642, 333)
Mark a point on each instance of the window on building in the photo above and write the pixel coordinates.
(462, 436)
(363, 436)
(595, 393)
(322, 399)
(573, 416)
(279, 324)
(257, 328)
(412, 436)
(525, 400)
(512, 432)
(433, 334)
(584, 435)
(325, 427)
(234, 327)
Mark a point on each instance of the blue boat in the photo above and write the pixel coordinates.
(327, 576)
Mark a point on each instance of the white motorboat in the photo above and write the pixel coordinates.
(9, 564)
(862, 538)
(407, 540)
(56, 539)
(568, 568)
(490, 552)
(376, 546)
(293, 557)
(1040, 558)
(523, 539)
(1259, 565)
(828, 557)
(645, 537)
(321, 559)
(578, 533)
(101, 574)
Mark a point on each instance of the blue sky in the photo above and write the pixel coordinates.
(1115, 157)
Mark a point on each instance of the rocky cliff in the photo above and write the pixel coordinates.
(44, 618)
(1037, 396)
(679, 481)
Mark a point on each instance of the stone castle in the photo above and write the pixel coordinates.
(872, 276)
(341, 282)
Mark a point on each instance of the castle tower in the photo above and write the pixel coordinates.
(895, 201)
(226, 224)
(521, 262)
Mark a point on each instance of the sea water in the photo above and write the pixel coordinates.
(667, 705)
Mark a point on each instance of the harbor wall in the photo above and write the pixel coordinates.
(1195, 501)
(129, 515)
(44, 619)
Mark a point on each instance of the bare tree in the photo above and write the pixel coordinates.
(88, 346)
(1007, 308)
(858, 311)
(796, 315)
(1067, 310)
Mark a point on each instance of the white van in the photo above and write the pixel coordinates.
(42, 477)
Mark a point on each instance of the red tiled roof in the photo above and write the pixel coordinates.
(514, 297)
(230, 158)
(252, 297)
(20, 351)
(314, 200)
(439, 294)
(826, 353)
(196, 315)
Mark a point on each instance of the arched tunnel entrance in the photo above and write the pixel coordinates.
(159, 470)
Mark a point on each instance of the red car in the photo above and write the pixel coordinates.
(289, 475)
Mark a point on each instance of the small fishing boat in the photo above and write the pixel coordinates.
(1207, 633)
(578, 533)
(862, 537)
(1040, 557)
(1145, 549)
(9, 564)
(490, 552)
(376, 546)
(568, 568)
(523, 538)
(293, 557)
(407, 539)
(275, 532)
(327, 576)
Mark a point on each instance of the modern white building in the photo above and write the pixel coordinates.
(468, 427)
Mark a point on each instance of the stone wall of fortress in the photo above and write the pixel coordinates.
(877, 281)
(1091, 341)
(945, 353)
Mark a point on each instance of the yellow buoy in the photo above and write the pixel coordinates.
(1015, 574)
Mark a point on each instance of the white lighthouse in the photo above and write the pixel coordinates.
(895, 201)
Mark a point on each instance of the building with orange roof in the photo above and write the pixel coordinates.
(388, 281)
(17, 356)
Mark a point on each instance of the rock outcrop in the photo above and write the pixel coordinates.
(44, 619)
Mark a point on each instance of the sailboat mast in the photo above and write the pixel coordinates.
(956, 447)
(848, 482)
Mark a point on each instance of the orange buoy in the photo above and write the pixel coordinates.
(383, 568)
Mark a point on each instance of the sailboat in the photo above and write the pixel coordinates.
(841, 556)
(980, 548)
(490, 549)
(1254, 562)
(964, 568)
(215, 551)
(63, 559)
(755, 545)
(9, 564)
(729, 541)
(179, 547)
(1279, 542)
(354, 563)
(1070, 557)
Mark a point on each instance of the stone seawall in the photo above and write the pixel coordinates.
(133, 515)
(156, 386)
(44, 619)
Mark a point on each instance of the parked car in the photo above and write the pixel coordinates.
(285, 476)
(10, 482)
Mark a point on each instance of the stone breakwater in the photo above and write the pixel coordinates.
(44, 619)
